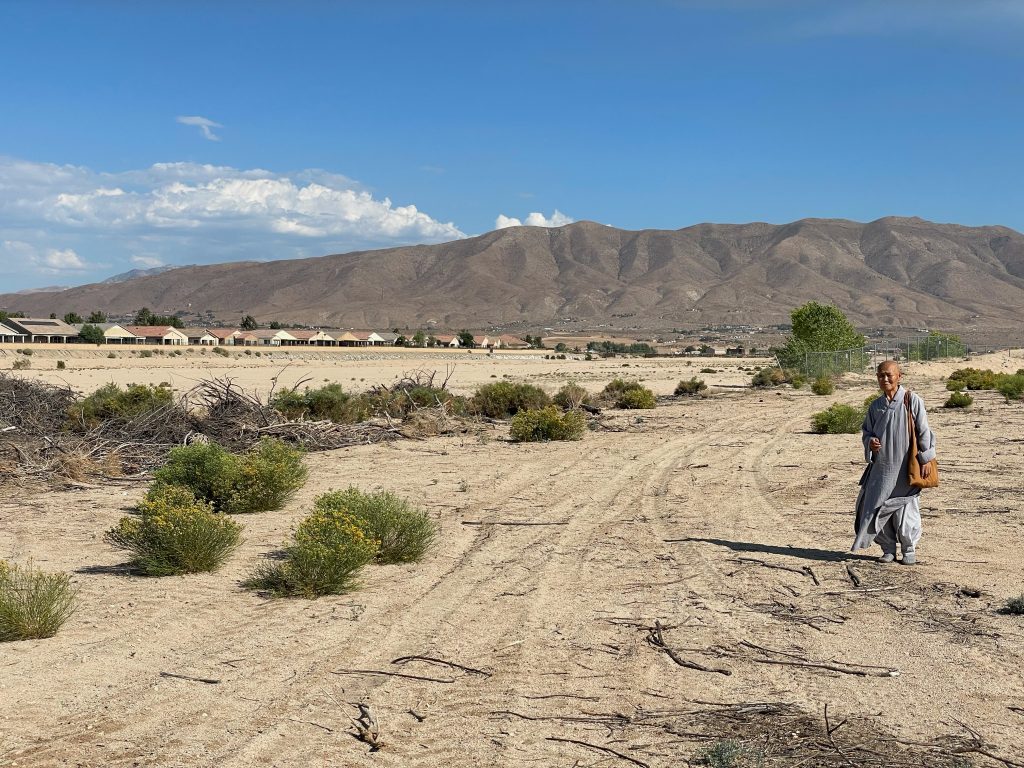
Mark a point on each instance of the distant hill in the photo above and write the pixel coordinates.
(131, 274)
(899, 271)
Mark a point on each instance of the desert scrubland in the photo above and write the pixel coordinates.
(678, 577)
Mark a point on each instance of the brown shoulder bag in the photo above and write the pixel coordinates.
(914, 466)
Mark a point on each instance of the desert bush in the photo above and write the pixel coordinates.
(327, 552)
(1011, 386)
(768, 377)
(221, 351)
(823, 385)
(175, 533)
(628, 394)
(537, 424)
(571, 396)
(259, 481)
(33, 604)
(403, 400)
(110, 402)
(958, 400)
(798, 381)
(1014, 606)
(972, 378)
(146, 353)
(61, 365)
(21, 365)
(730, 753)
(403, 533)
(709, 370)
(503, 399)
(838, 419)
(26, 352)
(329, 402)
(111, 356)
(692, 387)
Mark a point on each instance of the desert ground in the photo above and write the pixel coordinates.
(720, 522)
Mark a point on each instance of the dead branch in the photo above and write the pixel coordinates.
(207, 680)
(598, 748)
(432, 660)
(367, 728)
(656, 639)
(385, 673)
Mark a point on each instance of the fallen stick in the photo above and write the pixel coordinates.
(656, 639)
(510, 522)
(432, 660)
(207, 680)
(854, 577)
(769, 565)
(866, 589)
(861, 670)
(810, 572)
(391, 674)
(606, 750)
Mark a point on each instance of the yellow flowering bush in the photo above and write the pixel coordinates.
(175, 533)
(328, 550)
(403, 533)
(33, 604)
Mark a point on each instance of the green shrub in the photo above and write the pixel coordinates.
(537, 424)
(61, 365)
(729, 753)
(328, 403)
(692, 387)
(33, 604)
(221, 351)
(838, 419)
(628, 394)
(768, 377)
(972, 378)
(571, 396)
(958, 400)
(823, 385)
(402, 401)
(262, 480)
(798, 381)
(21, 365)
(709, 370)
(1014, 606)
(503, 399)
(403, 532)
(111, 403)
(327, 552)
(175, 533)
(1011, 386)
(146, 353)
(111, 356)
(26, 352)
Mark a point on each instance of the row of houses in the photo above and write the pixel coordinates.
(52, 331)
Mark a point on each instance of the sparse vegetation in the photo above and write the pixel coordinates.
(823, 385)
(768, 377)
(327, 552)
(730, 753)
(403, 532)
(692, 387)
(958, 400)
(1014, 606)
(571, 396)
(329, 402)
(260, 481)
(21, 365)
(111, 403)
(709, 370)
(611, 348)
(1009, 385)
(628, 394)
(175, 533)
(221, 351)
(33, 604)
(838, 419)
(539, 424)
(61, 365)
(503, 399)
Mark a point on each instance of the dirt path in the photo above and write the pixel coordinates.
(701, 515)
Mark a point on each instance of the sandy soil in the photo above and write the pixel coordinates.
(702, 514)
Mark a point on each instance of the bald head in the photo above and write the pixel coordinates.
(888, 373)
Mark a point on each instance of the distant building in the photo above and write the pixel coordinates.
(158, 334)
(113, 333)
(9, 335)
(47, 331)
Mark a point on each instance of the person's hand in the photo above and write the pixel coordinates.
(926, 469)
(875, 445)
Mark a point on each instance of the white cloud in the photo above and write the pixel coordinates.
(204, 124)
(61, 260)
(146, 262)
(534, 219)
(176, 213)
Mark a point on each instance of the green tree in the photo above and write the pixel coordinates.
(275, 325)
(418, 338)
(249, 323)
(817, 328)
(73, 318)
(53, 315)
(92, 334)
(400, 341)
(466, 339)
(144, 317)
(97, 317)
(7, 315)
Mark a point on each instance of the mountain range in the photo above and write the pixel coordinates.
(903, 272)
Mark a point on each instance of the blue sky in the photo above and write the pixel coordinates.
(152, 133)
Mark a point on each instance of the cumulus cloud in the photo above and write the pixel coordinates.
(204, 124)
(535, 219)
(173, 213)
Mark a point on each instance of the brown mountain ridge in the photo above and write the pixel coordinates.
(893, 271)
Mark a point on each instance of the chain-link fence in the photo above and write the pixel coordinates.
(904, 348)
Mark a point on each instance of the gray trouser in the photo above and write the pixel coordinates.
(903, 526)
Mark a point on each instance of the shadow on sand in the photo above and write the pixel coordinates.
(804, 553)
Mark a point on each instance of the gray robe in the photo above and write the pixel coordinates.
(887, 507)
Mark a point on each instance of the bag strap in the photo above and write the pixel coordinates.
(911, 425)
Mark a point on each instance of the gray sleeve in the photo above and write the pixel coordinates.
(866, 433)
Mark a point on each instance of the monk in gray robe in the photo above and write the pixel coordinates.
(888, 509)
